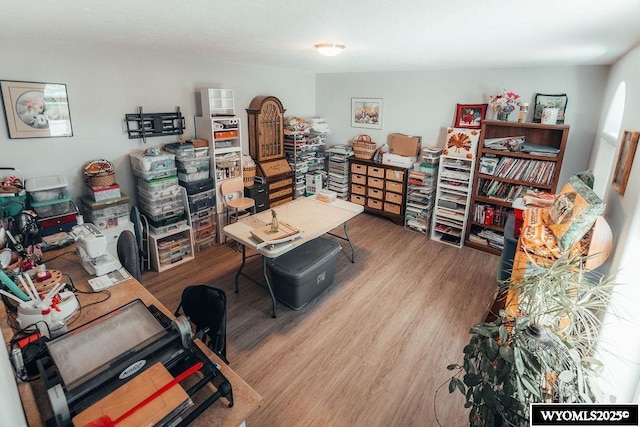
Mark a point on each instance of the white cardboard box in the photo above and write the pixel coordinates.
(398, 160)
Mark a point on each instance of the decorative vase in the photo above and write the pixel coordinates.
(503, 115)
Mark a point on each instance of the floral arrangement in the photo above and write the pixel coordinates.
(505, 101)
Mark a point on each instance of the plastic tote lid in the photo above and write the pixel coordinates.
(45, 183)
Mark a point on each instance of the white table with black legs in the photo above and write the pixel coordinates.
(311, 215)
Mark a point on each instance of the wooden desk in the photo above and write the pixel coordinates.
(309, 214)
(246, 399)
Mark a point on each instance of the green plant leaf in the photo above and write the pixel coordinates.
(472, 380)
(469, 349)
(454, 384)
(517, 356)
(528, 384)
(468, 366)
(520, 388)
(531, 360)
(468, 404)
(504, 335)
(490, 348)
(506, 352)
(481, 329)
(452, 366)
(489, 396)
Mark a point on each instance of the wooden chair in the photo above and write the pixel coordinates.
(233, 198)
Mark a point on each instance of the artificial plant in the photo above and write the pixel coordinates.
(540, 351)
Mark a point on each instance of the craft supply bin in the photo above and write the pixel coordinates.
(303, 273)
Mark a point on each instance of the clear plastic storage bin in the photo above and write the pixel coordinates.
(145, 163)
(55, 207)
(166, 193)
(158, 184)
(47, 188)
(182, 150)
(151, 175)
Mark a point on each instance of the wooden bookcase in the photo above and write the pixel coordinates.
(514, 170)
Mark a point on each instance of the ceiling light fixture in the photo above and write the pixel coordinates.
(329, 49)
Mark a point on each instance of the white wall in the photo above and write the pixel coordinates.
(424, 102)
(104, 85)
(619, 339)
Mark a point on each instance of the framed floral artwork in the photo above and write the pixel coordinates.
(470, 115)
(553, 101)
(626, 153)
(366, 113)
(36, 110)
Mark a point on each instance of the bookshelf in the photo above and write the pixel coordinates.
(502, 175)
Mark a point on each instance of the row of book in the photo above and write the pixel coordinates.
(501, 190)
(536, 171)
(488, 238)
(490, 214)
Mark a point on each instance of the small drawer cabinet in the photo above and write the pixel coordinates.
(381, 189)
(260, 193)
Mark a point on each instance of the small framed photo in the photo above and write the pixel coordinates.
(554, 101)
(470, 115)
(626, 153)
(366, 113)
(36, 110)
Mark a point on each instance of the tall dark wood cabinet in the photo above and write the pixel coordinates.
(503, 175)
(266, 147)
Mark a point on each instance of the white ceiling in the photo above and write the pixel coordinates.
(380, 35)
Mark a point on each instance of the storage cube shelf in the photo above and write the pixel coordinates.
(217, 102)
(421, 190)
(171, 249)
(338, 171)
(453, 193)
(305, 153)
(225, 147)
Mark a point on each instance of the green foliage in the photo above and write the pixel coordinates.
(543, 355)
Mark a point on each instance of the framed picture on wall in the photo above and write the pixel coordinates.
(36, 110)
(626, 153)
(553, 101)
(366, 113)
(470, 115)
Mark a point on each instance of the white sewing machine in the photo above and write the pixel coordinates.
(92, 246)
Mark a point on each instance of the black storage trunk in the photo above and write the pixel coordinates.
(303, 273)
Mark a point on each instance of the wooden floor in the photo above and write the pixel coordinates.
(372, 349)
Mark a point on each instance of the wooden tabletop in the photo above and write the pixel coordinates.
(246, 399)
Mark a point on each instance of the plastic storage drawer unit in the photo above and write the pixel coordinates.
(305, 272)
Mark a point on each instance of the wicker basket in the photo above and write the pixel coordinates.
(99, 173)
(364, 147)
(101, 180)
(248, 174)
